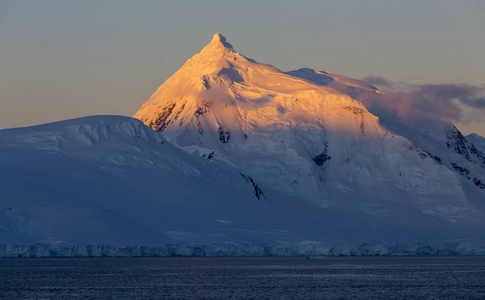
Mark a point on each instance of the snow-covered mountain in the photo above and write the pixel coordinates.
(477, 140)
(304, 134)
(438, 138)
(242, 152)
(112, 180)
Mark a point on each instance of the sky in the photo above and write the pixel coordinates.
(64, 59)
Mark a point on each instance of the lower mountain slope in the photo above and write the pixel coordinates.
(112, 180)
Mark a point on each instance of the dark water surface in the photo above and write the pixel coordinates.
(243, 278)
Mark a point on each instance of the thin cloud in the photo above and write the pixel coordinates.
(430, 101)
(475, 103)
(378, 81)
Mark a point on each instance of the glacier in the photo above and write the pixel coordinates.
(308, 249)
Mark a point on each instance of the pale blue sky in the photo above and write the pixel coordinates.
(64, 59)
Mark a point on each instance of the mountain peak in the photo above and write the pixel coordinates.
(219, 39)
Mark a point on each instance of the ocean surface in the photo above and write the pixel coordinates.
(243, 278)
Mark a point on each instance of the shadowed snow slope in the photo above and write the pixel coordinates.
(477, 140)
(112, 180)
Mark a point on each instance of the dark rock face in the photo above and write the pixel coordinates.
(358, 112)
(202, 108)
(463, 171)
(209, 156)
(479, 183)
(322, 157)
(167, 116)
(459, 144)
(463, 147)
(355, 110)
(435, 158)
(257, 191)
(224, 135)
(162, 121)
(466, 173)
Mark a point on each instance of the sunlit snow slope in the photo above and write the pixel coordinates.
(305, 134)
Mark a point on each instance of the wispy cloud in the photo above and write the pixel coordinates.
(442, 101)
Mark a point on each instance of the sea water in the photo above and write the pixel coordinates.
(243, 278)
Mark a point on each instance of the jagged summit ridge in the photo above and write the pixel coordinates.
(220, 39)
(217, 49)
(219, 74)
